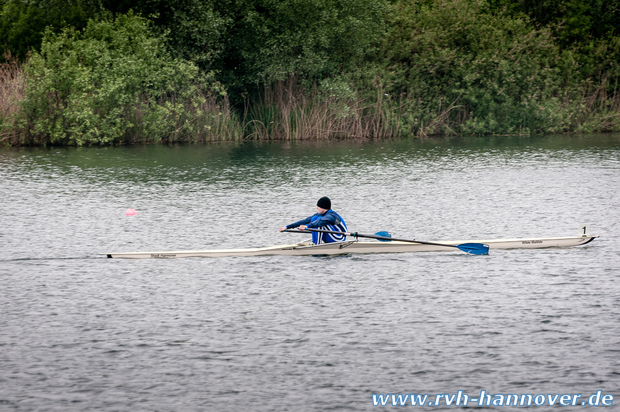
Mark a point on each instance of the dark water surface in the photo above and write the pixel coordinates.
(79, 332)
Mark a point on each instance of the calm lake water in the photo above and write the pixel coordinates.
(80, 332)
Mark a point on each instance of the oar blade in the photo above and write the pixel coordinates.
(474, 248)
(384, 234)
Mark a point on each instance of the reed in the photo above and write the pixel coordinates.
(205, 118)
(288, 111)
(11, 94)
(214, 120)
(600, 106)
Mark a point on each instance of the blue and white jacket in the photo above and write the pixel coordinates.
(330, 220)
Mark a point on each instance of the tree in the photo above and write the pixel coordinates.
(269, 40)
(22, 23)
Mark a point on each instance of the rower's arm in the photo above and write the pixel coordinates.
(299, 223)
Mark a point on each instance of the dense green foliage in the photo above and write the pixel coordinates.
(97, 72)
(314, 39)
(454, 69)
(571, 20)
(22, 23)
(248, 42)
(111, 82)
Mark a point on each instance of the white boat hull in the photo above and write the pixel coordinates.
(354, 246)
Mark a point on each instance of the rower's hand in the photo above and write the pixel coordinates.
(303, 227)
(283, 228)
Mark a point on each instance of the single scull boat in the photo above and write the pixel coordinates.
(356, 246)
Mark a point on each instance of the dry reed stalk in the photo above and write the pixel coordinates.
(11, 94)
(442, 120)
(288, 112)
(600, 109)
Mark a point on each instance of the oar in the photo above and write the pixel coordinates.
(471, 248)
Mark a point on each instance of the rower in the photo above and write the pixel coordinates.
(325, 219)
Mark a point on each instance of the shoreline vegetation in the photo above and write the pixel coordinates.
(93, 73)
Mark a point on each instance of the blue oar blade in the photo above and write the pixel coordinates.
(384, 234)
(474, 248)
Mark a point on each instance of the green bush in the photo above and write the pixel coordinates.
(113, 82)
(453, 68)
